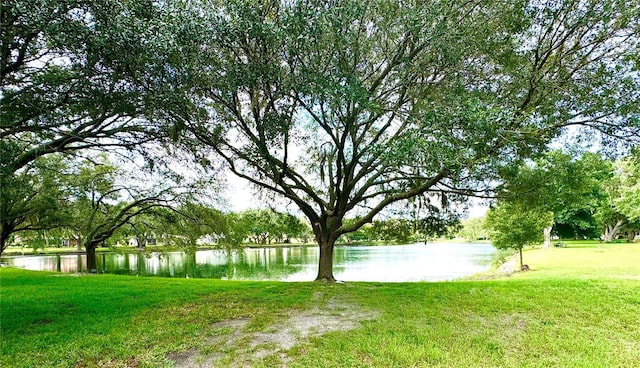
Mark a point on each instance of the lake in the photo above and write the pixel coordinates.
(396, 263)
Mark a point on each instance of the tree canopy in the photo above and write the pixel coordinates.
(81, 74)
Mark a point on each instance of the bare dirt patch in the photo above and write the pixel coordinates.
(233, 345)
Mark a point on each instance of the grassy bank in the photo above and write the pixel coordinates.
(578, 307)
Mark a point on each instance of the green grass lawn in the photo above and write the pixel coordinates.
(577, 307)
(582, 260)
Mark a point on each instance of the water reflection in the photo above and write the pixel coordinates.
(413, 262)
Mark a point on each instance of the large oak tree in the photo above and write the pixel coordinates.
(352, 106)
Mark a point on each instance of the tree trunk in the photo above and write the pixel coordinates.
(521, 263)
(46, 238)
(631, 236)
(326, 236)
(547, 237)
(92, 264)
(141, 239)
(325, 265)
(611, 231)
(4, 237)
(607, 236)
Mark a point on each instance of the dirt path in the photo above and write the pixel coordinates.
(232, 345)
